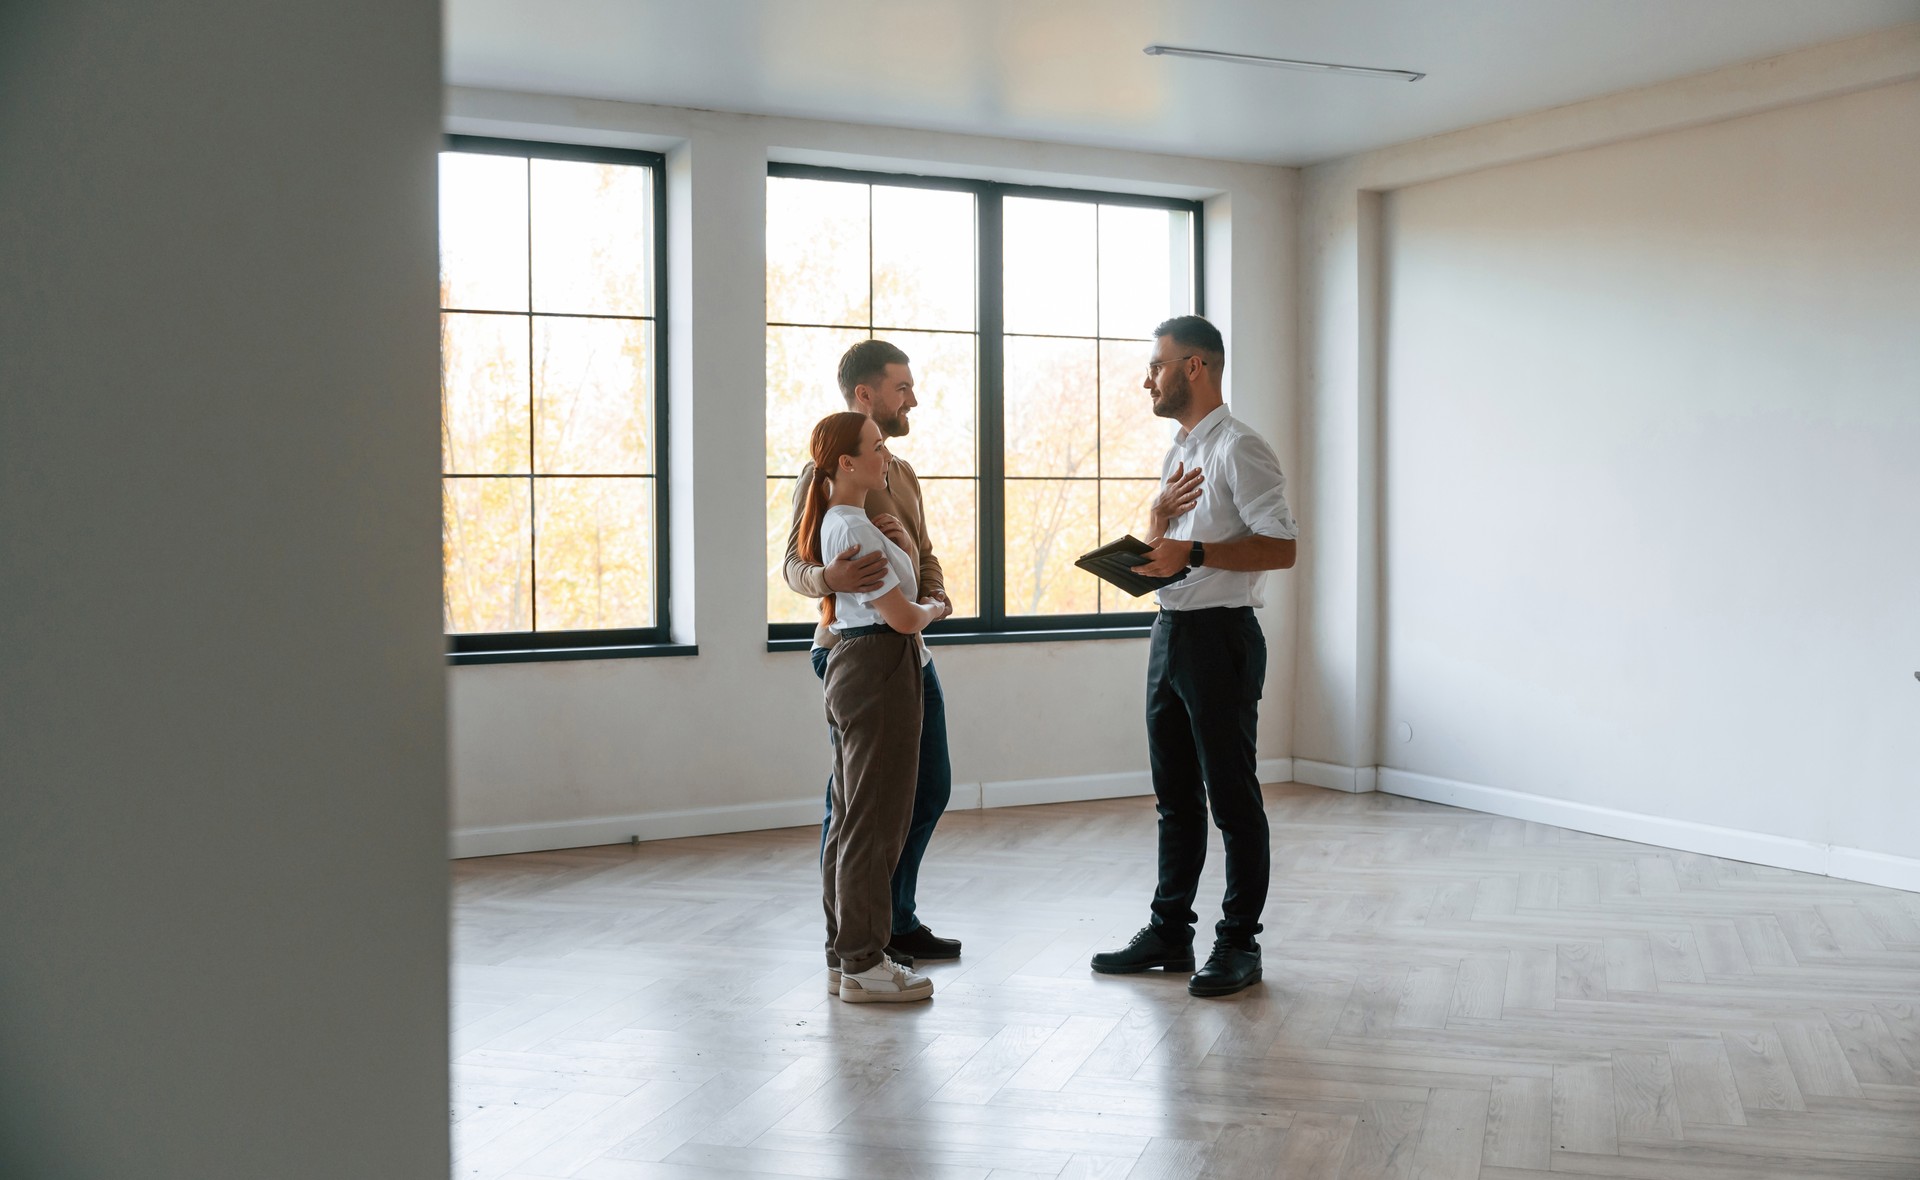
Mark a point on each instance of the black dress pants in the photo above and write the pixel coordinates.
(1204, 675)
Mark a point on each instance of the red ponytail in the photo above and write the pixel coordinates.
(833, 436)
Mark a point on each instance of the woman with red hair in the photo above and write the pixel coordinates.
(873, 691)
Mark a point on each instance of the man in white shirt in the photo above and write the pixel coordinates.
(1222, 517)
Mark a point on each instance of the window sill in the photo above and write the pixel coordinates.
(541, 655)
(959, 638)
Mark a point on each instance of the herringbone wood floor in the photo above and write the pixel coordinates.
(1447, 994)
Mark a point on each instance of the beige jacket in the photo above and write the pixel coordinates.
(901, 497)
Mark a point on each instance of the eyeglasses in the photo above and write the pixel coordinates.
(1154, 367)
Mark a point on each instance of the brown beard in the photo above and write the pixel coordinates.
(894, 427)
(1174, 399)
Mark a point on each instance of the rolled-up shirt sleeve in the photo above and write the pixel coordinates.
(1260, 488)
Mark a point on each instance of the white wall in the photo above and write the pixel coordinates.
(1652, 474)
(222, 752)
(1608, 416)
(565, 753)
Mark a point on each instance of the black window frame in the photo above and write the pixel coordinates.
(993, 624)
(498, 647)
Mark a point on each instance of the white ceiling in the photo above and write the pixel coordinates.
(1071, 71)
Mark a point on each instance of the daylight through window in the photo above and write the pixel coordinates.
(1028, 317)
(550, 396)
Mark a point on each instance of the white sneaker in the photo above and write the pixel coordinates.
(833, 981)
(887, 982)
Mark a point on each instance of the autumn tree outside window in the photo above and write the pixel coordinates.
(1028, 314)
(552, 400)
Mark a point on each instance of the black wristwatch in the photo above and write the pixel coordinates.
(1198, 557)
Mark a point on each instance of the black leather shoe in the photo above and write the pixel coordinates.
(922, 943)
(1149, 949)
(1229, 969)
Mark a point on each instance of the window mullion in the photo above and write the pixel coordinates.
(662, 440)
(992, 589)
(533, 428)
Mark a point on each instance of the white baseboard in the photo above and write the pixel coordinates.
(1066, 789)
(1274, 770)
(793, 813)
(1332, 776)
(1875, 868)
(1076, 788)
(618, 829)
(1851, 864)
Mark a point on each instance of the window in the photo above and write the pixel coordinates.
(552, 395)
(1028, 316)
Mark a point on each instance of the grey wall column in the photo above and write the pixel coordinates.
(1337, 687)
(223, 944)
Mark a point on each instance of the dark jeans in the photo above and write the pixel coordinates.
(1204, 674)
(931, 791)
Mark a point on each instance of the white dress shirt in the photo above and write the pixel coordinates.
(1243, 494)
(845, 525)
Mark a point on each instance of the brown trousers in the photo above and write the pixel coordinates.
(873, 692)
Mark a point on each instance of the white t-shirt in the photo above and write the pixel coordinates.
(846, 525)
